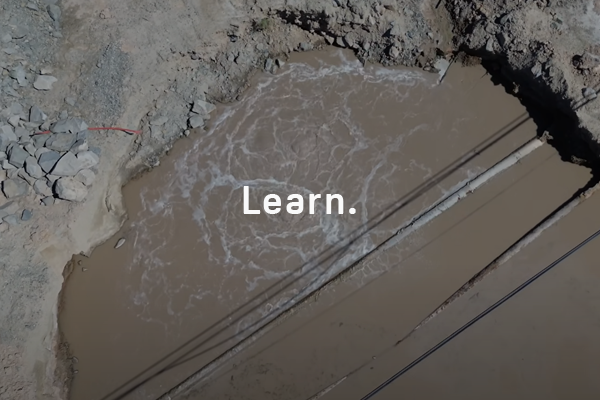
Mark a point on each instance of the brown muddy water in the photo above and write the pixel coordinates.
(196, 274)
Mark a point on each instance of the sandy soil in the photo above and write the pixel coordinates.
(127, 62)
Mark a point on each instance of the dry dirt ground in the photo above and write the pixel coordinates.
(127, 63)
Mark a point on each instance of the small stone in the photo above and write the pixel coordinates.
(44, 82)
(489, 45)
(54, 12)
(17, 156)
(7, 136)
(21, 173)
(72, 125)
(7, 166)
(159, 121)
(329, 39)
(40, 140)
(61, 141)
(40, 151)
(32, 6)
(30, 148)
(306, 46)
(394, 52)
(79, 146)
(48, 201)
(442, 66)
(15, 187)
(36, 115)
(41, 187)
(46, 70)
(269, 66)
(120, 243)
(26, 215)
(339, 41)
(186, 132)
(22, 133)
(88, 159)
(70, 189)
(70, 101)
(589, 93)
(203, 108)
(48, 160)
(33, 168)
(68, 165)
(396, 29)
(64, 114)
(196, 122)
(86, 176)
(14, 121)
(18, 74)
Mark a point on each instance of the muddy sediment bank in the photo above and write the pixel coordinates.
(128, 67)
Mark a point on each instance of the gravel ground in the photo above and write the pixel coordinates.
(144, 65)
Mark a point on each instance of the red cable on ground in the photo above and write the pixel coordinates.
(112, 128)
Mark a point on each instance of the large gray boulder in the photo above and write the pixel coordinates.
(15, 187)
(48, 160)
(70, 189)
(68, 165)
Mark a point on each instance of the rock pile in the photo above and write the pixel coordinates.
(56, 163)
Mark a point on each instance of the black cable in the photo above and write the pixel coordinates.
(478, 317)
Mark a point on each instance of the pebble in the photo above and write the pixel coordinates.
(70, 101)
(196, 121)
(588, 92)
(41, 187)
(32, 6)
(204, 108)
(26, 215)
(36, 115)
(120, 243)
(394, 52)
(19, 75)
(44, 82)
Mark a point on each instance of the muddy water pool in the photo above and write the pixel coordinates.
(196, 273)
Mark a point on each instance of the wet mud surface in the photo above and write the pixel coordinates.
(195, 275)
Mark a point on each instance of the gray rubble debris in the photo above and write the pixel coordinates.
(48, 160)
(33, 168)
(26, 215)
(44, 82)
(40, 151)
(48, 201)
(19, 75)
(41, 188)
(14, 121)
(15, 187)
(40, 140)
(70, 189)
(23, 174)
(17, 156)
(36, 115)
(71, 125)
(68, 165)
(7, 136)
(204, 108)
(60, 141)
(86, 176)
(30, 148)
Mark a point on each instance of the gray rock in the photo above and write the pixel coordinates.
(19, 75)
(24, 175)
(196, 121)
(48, 201)
(269, 67)
(339, 41)
(41, 187)
(13, 173)
(11, 220)
(589, 92)
(204, 108)
(70, 101)
(7, 166)
(14, 120)
(83, 135)
(442, 66)
(86, 176)
(26, 215)
(79, 146)
(394, 52)
(306, 46)
(51, 179)
(64, 114)
(30, 148)
(14, 188)
(60, 141)
(17, 156)
(48, 160)
(33, 168)
(7, 136)
(22, 133)
(3, 156)
(54, 12)
(70, 189)
(40, 151)
(68, 165)
(71, 125)
(32, 6)
(88, 159)
(44, 82)
(40, 140)
(36, 115)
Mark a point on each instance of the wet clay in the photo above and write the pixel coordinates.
(195, 274)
